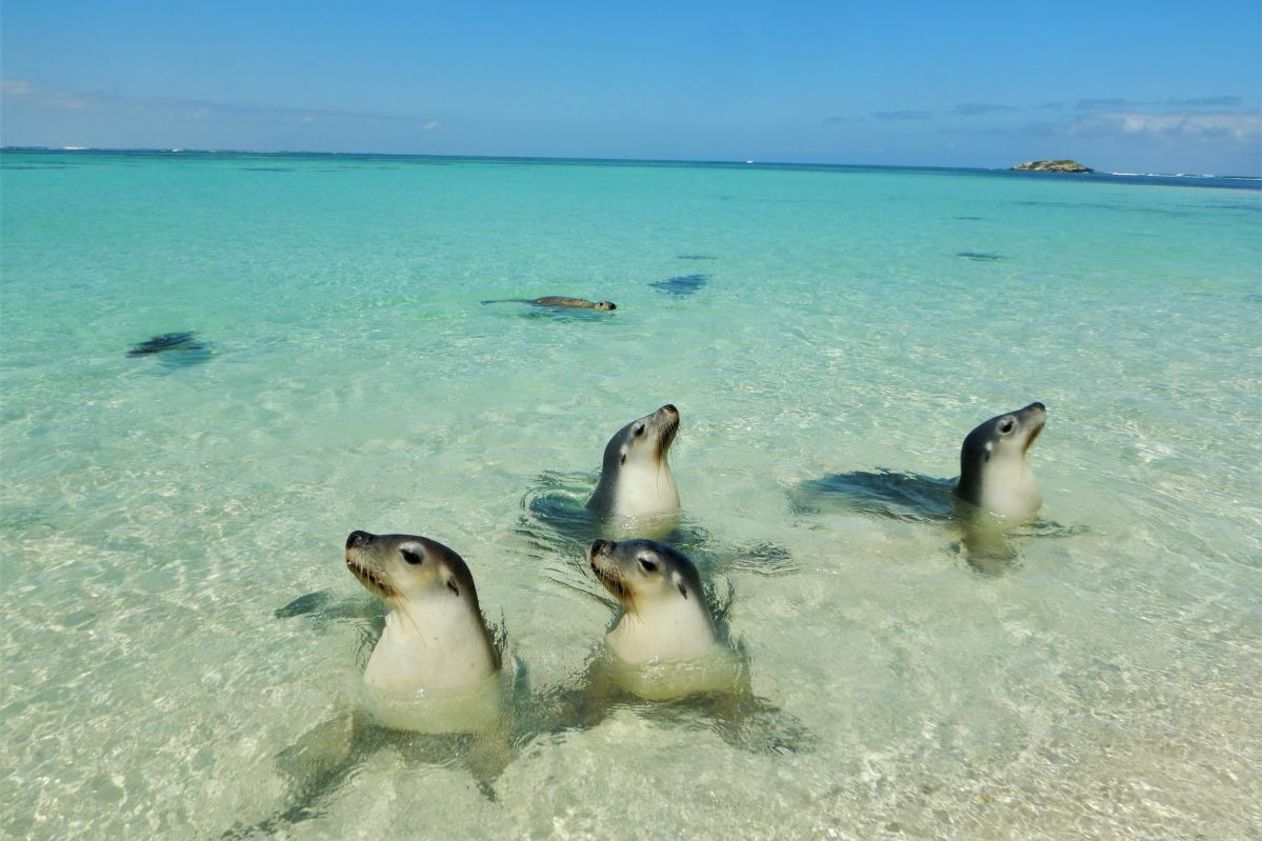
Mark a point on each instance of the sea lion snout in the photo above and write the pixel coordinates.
(1037, 405)
(357, 538)
(670, 409)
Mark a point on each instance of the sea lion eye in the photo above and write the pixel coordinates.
(1006, 427)
(639, 430)
(411, 557)
(648, 564)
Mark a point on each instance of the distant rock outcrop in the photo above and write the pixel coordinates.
(1052, 166)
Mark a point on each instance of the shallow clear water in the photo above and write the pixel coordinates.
(157, 512)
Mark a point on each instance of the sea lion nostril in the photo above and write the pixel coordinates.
(670, 407)
(1037, 405)
(357, 538)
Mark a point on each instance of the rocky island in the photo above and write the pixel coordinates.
(1052, 166)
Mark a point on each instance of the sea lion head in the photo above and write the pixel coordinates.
(434, 638)
(643, 572)
(635, 476)
(665, 616)
(643, 442)
(408, 568)
(1004, 436)
(993, 472)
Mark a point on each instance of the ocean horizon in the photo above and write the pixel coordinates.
(216, 366)
(1170, 178)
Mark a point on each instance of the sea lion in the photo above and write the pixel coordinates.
(994, 476)
(434, 673)
(635, 477)
(435, 645)
(559, 301)
(665, 643)
(688, 284)
(182, 341)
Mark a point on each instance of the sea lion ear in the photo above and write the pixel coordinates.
(452, 586)
(679, 582)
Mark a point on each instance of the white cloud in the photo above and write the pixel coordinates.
(1239, 127)
(16, 87)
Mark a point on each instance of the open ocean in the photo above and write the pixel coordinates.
(158, 511)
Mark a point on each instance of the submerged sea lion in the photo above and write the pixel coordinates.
(435, 642)
(185, 342)
(665, 642)
(994, 476)
(687, 284)
(559, 301)
(635, 477)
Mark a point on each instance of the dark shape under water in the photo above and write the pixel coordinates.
(559, 302)
(181, 348)
(541, 309)
(980, 257)
(909, 497)
(322, 606)
(307, 605)
(163, 342)
(696, 257)
(687, 284)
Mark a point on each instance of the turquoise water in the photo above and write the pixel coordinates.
(157, 514)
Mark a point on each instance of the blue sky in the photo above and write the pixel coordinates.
(1124, 86)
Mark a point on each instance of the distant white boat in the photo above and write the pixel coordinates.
(73, 148)
(749, 162)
